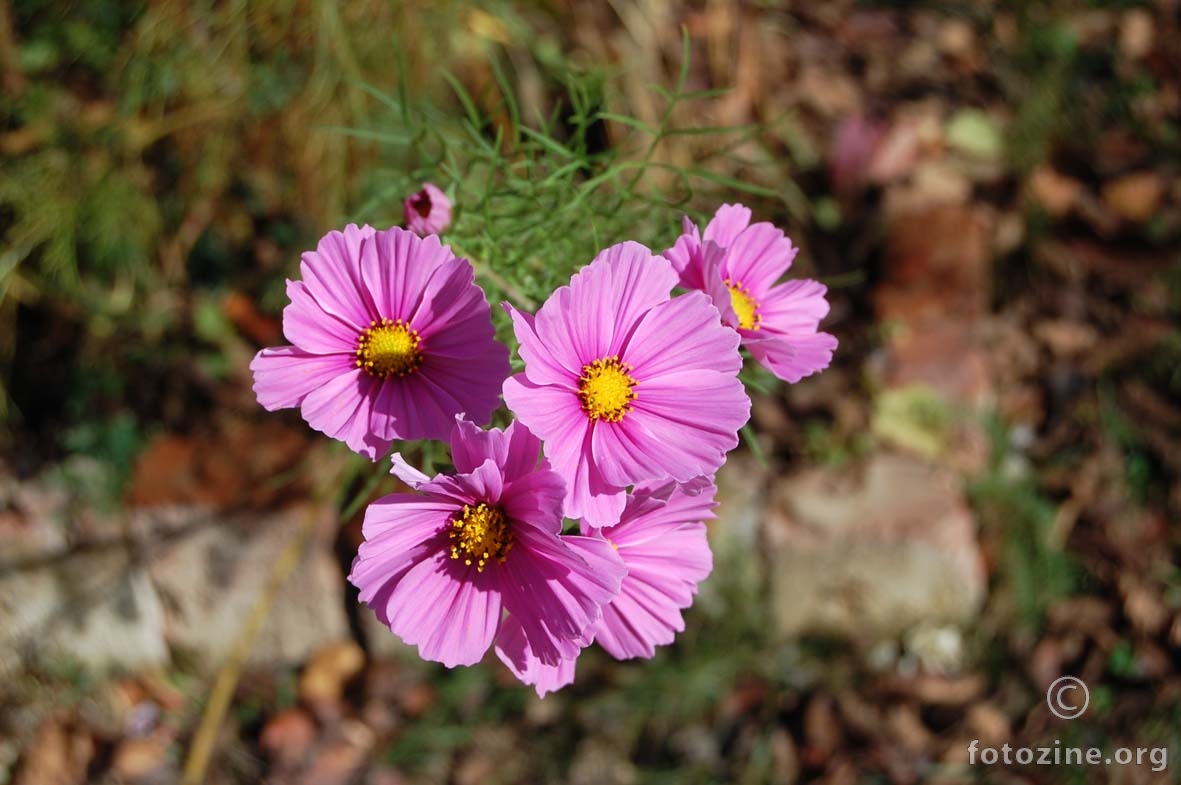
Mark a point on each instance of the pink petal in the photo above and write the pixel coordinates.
(558, 420)
(555, 593)
(407, 473)
(710, 406)
(332, 274)
(472, 445)
(553, 414)
(792, 357)
(459, 386)
(793, 306)
(453, 317)
(727, 223)
(758, 257)
(682, 334)
(713, 284)
(394, 416)
(667, 555)
(311, 328)
(395, 266)
(399, 529)
(424, 404)
(485, 482)
(515, 449)
(686, 255)
(513, 650)
(632, 280)
(625, 454)
(536, 498)
(341, 409)
(637, 622)
(284, 375)
(655, 509)
(524, 451)
(449, 610)
(599, 503)
(549, 359)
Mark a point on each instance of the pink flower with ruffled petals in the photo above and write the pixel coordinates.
(391, 339)
(428, 211)
(662, 541)
(624, 383)
(440, 567)
(513, 650)
(738, 264)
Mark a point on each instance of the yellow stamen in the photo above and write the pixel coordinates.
(605, 388)
(389, 348)
(745, 306)
(480, 535)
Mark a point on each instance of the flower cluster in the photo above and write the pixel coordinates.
(627, 405)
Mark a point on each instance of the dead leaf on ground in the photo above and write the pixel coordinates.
(1136, 33)
(287, 737)
(1066, 337)
(822, 730)
(1134, 197)
(324, 678)
(139, 759)
(1056, 193)
(58, 755)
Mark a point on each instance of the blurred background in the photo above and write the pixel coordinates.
(979, 496)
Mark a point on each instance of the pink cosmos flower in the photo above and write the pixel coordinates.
(428, 211)
(439, 567)
(624, 384)
(661, 539)
(391, 339)
(738, 263)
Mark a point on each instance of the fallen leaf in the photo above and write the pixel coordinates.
(896, 154)
(324, 678)
(245, 316)
(976, 134)
(907, 730)
(287, 737)
(1066, 338)
(1136, 33)
(989, 724)
(57, 755)
(822, 730)
(1144, 607)
(137, 759)
(1134, 197)
(1056, 193)
(957, 38)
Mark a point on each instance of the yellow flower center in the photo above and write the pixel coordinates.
(745, 306)
(480, 535)
(605, 388)
(388, 348)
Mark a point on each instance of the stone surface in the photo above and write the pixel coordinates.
(741, 495)
(43, 517)
(734, 535)
(180, 578)
(874, 551)
(211, 578)
(97, 609)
